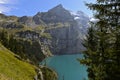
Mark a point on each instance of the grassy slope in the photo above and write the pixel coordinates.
(13, 69)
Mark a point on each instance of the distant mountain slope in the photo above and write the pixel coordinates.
(82, 20)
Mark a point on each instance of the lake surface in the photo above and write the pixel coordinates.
(67, 67)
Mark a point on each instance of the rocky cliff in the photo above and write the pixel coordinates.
(65, 40)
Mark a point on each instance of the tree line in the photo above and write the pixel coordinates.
(27, 50)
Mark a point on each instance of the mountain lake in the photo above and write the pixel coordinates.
(67, 67)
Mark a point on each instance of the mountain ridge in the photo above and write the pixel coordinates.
(66, 31)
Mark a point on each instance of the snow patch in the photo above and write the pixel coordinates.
(73, 13)
(76, 18)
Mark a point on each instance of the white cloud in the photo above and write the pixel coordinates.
(8, 1)
(94, 20)
(5, 7)
(2, 2)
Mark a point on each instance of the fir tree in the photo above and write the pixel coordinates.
(91, 45)
(107, 61)
(4, 37)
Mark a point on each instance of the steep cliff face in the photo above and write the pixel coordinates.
(65, 40)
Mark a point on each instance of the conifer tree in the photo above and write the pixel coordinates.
(91, 45)
(107, 65)
(4, 37)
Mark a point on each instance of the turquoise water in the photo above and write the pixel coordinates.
(67, 67)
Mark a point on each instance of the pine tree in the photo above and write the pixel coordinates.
(90, 55)
(107, 65)
(95, 44)
(4, 37)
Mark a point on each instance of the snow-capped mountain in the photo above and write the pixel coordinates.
(82, 20)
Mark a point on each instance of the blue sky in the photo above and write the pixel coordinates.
(31, 7)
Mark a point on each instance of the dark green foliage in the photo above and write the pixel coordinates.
(26, 49)
(33, 50)
(4, 37)
(102, 55)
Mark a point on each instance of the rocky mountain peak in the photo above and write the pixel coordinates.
(54, 15)
(59, 10)
(60, 6)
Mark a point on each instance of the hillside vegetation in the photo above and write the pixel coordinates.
(22, 47)
(13, 69)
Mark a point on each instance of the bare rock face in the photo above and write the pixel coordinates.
(27, 21)
(65, 40)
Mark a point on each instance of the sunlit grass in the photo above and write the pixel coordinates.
(13, 69)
